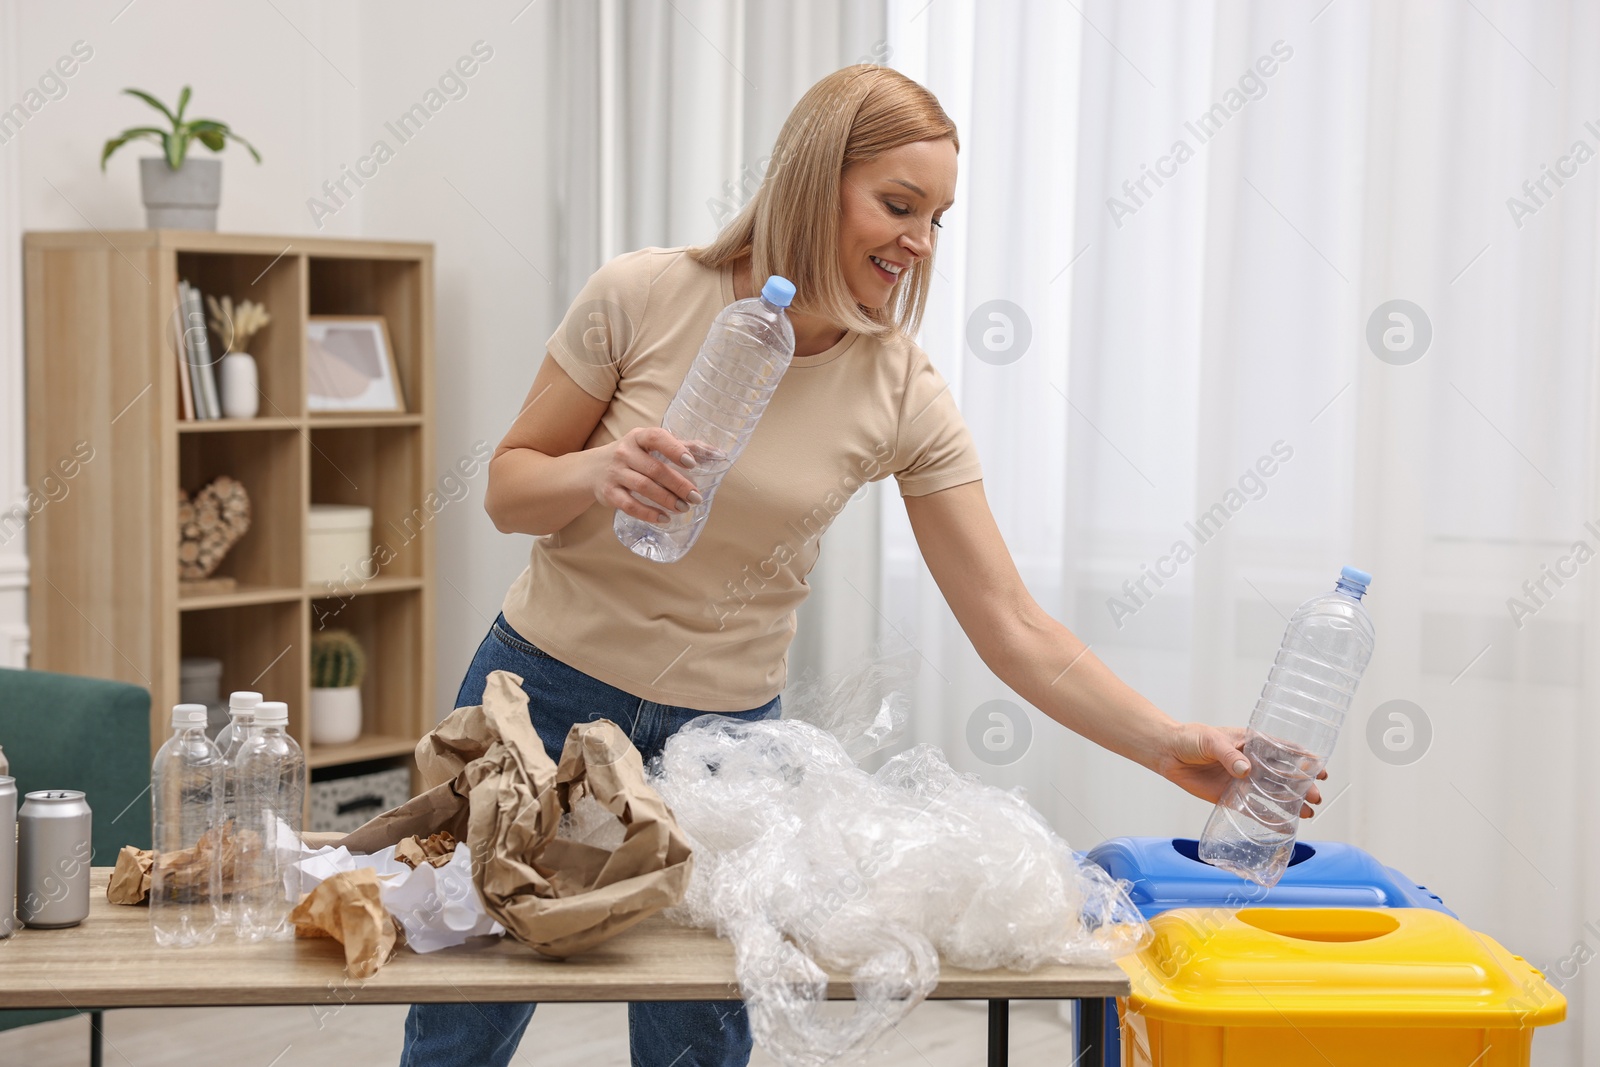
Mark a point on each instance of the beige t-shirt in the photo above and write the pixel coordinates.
(711, 631)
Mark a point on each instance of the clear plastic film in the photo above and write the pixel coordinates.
(805, 860)
(865, 707)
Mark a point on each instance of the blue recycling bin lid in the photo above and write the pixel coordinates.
(1167, 873)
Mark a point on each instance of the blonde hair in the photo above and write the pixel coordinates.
(791, 226)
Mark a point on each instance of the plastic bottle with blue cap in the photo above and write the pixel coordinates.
(745, 354)
(1292, 732)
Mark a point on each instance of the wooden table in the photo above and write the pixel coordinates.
(110, 960)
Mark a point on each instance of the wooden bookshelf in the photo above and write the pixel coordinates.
(105, 599)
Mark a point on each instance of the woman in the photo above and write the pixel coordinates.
(848, 210)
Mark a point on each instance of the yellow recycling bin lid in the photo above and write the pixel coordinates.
(1339, 967)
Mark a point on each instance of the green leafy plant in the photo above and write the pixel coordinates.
(175, 142)
(337, 660)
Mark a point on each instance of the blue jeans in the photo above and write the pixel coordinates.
(713, 1033)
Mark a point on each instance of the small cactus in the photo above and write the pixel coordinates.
(336, 660)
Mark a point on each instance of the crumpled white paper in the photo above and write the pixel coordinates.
(437, 906)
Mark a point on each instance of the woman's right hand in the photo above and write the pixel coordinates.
(630, 468)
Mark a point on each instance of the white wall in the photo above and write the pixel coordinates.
(479, 181)
(248, 65)
(312, 89)
(13, 557)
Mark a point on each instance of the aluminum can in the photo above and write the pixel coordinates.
(54, 851)
(8, 856)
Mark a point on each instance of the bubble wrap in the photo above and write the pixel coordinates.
(802, 858)
(864, 706)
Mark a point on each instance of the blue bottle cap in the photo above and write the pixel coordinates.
(1354, 581)
(778, 290)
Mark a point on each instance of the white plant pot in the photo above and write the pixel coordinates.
(335, 715)
(241, 398)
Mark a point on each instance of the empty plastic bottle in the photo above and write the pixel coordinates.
(1292, 732)
(230, 739)
(272, 775)
(240, 704)
(185, 801)
(744, 355)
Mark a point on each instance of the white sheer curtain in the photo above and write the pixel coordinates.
(670, 110)
(1177, 338)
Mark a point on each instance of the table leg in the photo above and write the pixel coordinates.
(1091, 1036)
(999, 1033)
(96, 1022)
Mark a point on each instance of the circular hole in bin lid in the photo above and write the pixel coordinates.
(1322, 924)
(1189, 849)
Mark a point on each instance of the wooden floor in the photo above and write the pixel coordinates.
(936, 1034)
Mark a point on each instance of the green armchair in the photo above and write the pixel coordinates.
(64, 732)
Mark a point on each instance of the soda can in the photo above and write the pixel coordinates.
(8, 855)
(53, 855)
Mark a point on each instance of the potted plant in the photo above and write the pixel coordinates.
(180, 192)
(337, 667)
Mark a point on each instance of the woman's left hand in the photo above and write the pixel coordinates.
(1204, 760)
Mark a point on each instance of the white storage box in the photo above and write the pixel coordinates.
(339, 544)
(200, 682)
(348, 796)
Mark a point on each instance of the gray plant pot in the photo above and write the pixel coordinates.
(182, 199)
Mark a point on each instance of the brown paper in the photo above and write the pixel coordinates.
(489, 782)
(347, 908)
(436, 850)
(130, 879)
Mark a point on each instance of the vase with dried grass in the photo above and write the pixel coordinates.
(239, 388)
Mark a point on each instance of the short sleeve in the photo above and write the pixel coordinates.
(934, 449)
(592, 341)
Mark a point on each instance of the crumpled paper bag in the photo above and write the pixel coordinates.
(436, 850)
(488, 782)
(347, 908)
(130, 879)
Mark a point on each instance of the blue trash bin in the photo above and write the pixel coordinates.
(1167, 873)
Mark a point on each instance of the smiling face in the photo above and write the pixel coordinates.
(891, 204)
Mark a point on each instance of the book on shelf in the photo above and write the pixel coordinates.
(191, 356)
(185, 388)
(198, 345)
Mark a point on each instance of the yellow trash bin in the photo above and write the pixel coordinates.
(1265, 987)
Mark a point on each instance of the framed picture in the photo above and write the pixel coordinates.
(350, 365)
